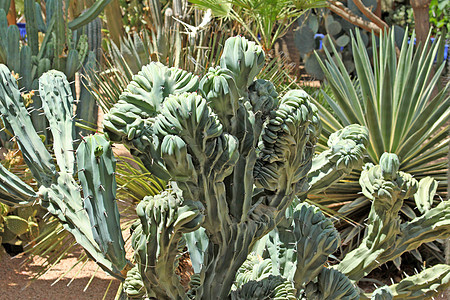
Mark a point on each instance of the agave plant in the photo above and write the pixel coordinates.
(396, 99)
(396, 95)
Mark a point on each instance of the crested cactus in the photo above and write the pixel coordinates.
(238, 160)
(386, 237)
(94, 219)
(232, 148)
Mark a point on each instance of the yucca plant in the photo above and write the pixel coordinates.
(395, 94)
(396, 99)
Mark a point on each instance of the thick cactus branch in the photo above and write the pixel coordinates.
(331, 285)
(163, 220)
(13, 191)
(272, 287)
(59, 192)
(96, 171)
(423, 285)
(347, 148)
(57, 104)
(17, 120)
(386, 238)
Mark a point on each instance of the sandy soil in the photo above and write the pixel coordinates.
(16, 281)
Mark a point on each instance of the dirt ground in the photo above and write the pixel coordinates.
(16, 281)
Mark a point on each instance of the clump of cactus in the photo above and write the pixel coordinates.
(65, 47)
(87, 208)
(292, 242)
(334, 29)
(239, 159)
(236, 155)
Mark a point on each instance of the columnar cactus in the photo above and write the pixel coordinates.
(92, 216)
(58, 50)
(235, 149)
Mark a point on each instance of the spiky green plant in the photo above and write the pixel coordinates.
(237, 158)
(291, 245)
(397, 97)
(237, 152)
(91, 216)
(396, 100)
(264, 20)
(65, 47)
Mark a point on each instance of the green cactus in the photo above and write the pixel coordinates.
(162, 221)
(386, 238)
(425, 194)
(382, 293)
(13, 191)
(133, 285)
(238, 174)
(56, 51)
(335, 30)
(272, 287)
(58, 192)
(241, 154)
(347, 146)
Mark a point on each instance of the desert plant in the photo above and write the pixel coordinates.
(265, 163)
(264, 20)
(94, 222)
(386, 238)
(394, 98)
(65, 47)
(236, 156)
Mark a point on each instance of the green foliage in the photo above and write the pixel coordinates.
(386, 238)
(58, 50)
(301, 243)
(17, 225)
(393, 97)
(440, 15)
(269, 19)
(238, 174)
(336, 31)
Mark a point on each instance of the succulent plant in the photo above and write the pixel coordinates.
(65, 47)
(232, 147)
(319, 28)
(92, 216)
(386, 238)
(237, 171)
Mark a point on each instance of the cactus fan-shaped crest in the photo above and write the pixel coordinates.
(233, 149)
